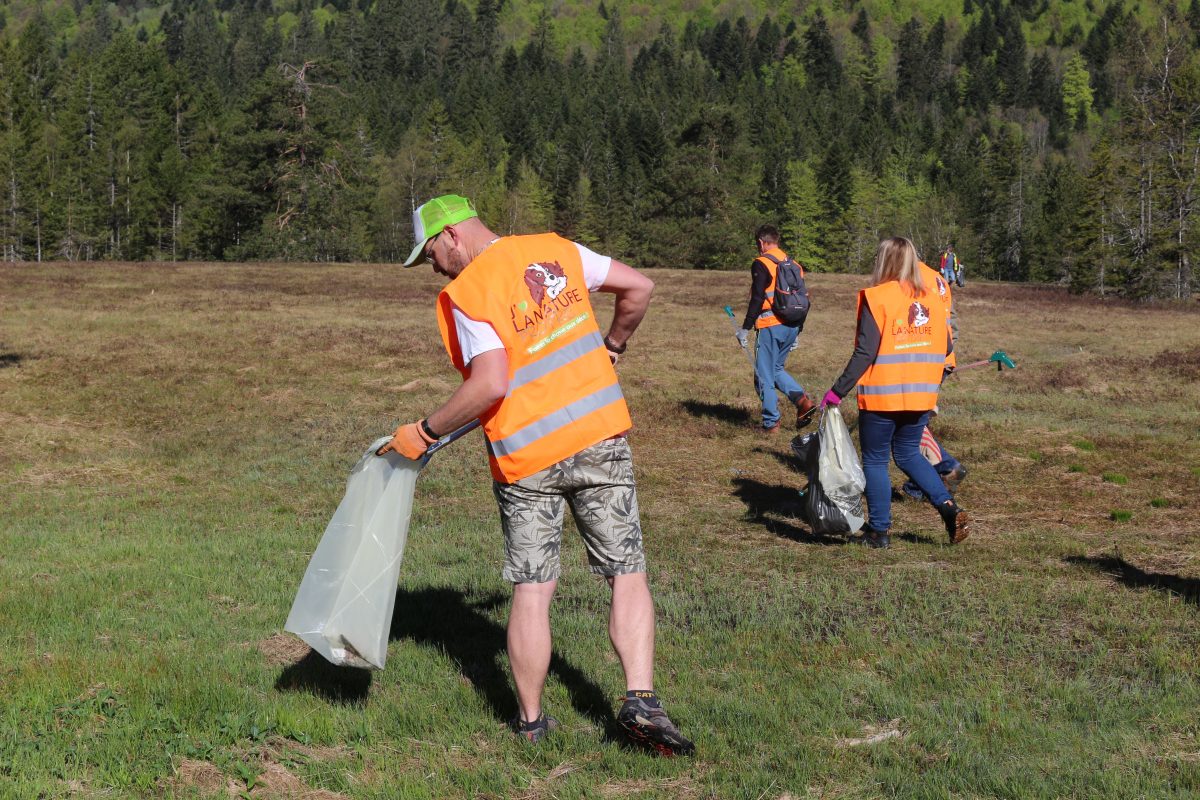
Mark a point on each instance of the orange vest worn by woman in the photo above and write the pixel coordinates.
(907, 373)
(563, 395)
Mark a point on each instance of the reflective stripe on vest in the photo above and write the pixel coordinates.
(899, 388)
(557, 420)
(911, 358)
(559, 358)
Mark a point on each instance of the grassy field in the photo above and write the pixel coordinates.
(173, 440)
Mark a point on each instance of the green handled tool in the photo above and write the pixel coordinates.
(1000, 358)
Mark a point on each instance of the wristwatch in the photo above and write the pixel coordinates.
(614, 348)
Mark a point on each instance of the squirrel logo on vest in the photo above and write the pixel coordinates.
(917, 314)
(941, 286)
(545, 280)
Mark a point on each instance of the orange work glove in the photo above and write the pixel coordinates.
(409, 441)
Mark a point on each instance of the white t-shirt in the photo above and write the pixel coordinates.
(476, 336)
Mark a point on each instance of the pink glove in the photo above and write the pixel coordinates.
(831, 399)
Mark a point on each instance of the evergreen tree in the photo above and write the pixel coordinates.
(1012, 67)
(802, 225)
(1077, 91)
(820, 57)
(1092, 251)
(1059, 193)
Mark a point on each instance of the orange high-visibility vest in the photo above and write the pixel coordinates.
(934, 279)
(766, 317)
(907, 372)
(563, 395)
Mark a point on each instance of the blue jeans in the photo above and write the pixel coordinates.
(944, 467)
(771, 352)
(895, 433)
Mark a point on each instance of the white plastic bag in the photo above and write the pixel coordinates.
(840, 470)
(343, 608)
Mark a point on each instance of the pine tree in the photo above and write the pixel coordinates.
(1077, 91)
(530, 204)
(1092, 238)
(820, 57)
(1012, 68)
(802, 225)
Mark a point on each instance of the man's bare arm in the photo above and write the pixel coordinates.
(632, 290)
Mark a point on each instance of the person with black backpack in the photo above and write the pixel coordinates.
(778, 306)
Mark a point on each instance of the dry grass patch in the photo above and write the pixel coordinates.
(193, 775)
(283, 648)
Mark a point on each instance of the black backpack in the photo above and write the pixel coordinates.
(790, 303)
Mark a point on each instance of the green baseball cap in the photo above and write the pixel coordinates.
(431, 219)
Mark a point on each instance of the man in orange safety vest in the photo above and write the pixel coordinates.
(517, 322)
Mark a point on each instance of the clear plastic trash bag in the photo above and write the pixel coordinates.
(343, 608)
(840, 471)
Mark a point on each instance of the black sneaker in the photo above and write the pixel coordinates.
(650, 727)
(956, 520)
(534, 732)
(876, 540)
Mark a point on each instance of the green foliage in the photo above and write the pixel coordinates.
(1077, 91)
(1014, 130)
(802, 227)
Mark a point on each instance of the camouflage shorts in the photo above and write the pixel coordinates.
(597, 484)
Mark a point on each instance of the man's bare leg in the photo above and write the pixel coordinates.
(529, 644)
(631, 628)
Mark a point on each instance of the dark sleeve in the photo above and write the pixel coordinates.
(866, 347)
(952, 321)
(760, 279)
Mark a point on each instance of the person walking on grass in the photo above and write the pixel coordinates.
(900, 351)
(951, 267)
(518, 324)
(775, 340)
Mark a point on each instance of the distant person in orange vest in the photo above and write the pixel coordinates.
(517, 321)
(899, 362)
(951, 267)
(775, 340)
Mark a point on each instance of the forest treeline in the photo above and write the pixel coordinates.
(233, 131)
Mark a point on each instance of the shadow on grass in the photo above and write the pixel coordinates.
(777, 508)
(788, 459)
(344, 685)
(1135, 577)
(717, 411)
(917, 538)
(10, 360)
(446, 619)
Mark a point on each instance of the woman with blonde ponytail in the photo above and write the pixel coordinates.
(900, 352)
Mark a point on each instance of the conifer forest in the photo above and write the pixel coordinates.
(1052, 141)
